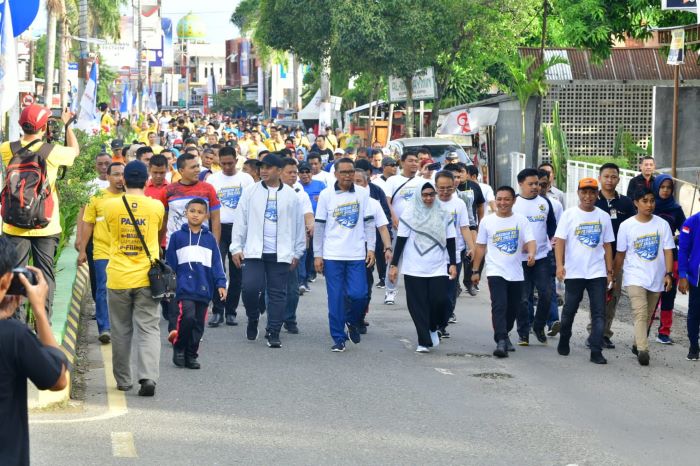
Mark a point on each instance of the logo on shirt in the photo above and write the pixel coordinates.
(647, 246)
(230, 195)
(506, 241)
(407, 194)
(271, 210)
(541, 207)
(536, 218)
(589, 234)
(348, 214)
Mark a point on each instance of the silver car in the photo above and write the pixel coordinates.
(438, 147)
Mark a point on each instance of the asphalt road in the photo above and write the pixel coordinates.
(381, 403)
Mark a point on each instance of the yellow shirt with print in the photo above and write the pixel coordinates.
(60, 155)
(128, 264)
(95, 214)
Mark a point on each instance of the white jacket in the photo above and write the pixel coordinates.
(249, 221)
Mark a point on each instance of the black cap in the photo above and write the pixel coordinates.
(363, 164)
(388, 161)
(117, 143)
(304, 166)
(273, 160)
(136, 172)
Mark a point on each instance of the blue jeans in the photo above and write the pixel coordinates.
(540, 276)
(101, 308)
(572, 298)
(345, 280)
(290, 313)
(693, 316)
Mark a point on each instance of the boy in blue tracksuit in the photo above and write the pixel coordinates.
(194, 255)
(689, 274)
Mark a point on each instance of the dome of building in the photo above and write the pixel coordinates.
(191, 27)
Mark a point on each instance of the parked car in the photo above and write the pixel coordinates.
(291, 124)
(438, 147)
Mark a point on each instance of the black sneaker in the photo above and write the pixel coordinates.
(354, 334)
(338, 348)
(509, 345)
(381, 284)
(476, 288)
(693, 354)
(554, 329)
(501, 350)
(563, 347)
(231, 320)
(541, 337)
(634, 350)
(452, 319)
(148, 387)
(273, 340)
(252, 330)
(643, 358)
(192, 363)
(597, 358)
(292, 328)
(607, 343)
(443, 333)
(362, 329)
(179, 358)
(215, 320)
(470, 289)
(524, 340)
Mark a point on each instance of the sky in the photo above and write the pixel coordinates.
(215, 15)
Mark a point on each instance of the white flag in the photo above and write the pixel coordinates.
(9, 74)
(89, 117)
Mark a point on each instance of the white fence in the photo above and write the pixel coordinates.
(517, 162)
(576, 170)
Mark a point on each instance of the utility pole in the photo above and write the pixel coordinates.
(84, 48)
(139, 86)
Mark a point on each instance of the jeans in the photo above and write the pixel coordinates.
(346, 285)
(265, 276)
(426, 298)
(693, 316)
(505, 303)
(539, 276)
(452, 295)
(612, 297)
(101, 309)
(233, 295)
(43, 250)
(290, 313)
(572, 298)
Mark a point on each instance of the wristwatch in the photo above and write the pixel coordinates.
(388, 249)
(669, 274)
(474, 272)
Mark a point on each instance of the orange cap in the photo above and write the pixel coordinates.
(588, 183)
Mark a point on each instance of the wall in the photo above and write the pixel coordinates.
(508, 137)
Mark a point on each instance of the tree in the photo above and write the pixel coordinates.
(54, 9)
(231, 102)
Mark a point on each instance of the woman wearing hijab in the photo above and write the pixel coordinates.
(668, 209)
(426, 239)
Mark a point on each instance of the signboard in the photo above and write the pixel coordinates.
(424, 86)
(468, 120)
(675, 53)
(244, 64)
(690, 5)
(27, 99)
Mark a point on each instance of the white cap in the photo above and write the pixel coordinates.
(339, 151)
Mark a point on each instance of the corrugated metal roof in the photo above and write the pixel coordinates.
(631, 64)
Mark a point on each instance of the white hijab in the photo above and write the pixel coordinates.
(429, 224)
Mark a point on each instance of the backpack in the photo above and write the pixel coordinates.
(26, 196)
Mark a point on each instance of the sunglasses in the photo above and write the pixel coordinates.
(304, 171)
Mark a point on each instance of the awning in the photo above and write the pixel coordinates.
(313, 108)
(468, 120)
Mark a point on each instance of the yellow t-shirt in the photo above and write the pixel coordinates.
(143, 134)
(332, 140)
(157, 149)
(128, 264)
(274, 146)
(95, 214)
(60, 155)
(254, 149)
(107, 123)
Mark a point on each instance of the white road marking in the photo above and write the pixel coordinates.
(444, 371)
(123, 445)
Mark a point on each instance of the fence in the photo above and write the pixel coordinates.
(518, 162)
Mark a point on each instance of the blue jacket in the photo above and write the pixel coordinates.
(196, 259)
(689, 250)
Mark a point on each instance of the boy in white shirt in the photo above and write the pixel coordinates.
(584, 261)
(505, 235)
(646, 272)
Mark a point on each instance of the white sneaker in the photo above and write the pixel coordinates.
(389, 297)
(302, 290)
(422, 349)
(435, 338)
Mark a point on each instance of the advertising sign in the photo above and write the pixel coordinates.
(424, 86)
(690, 5)
(675, 53)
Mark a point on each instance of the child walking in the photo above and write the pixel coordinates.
(194, 255)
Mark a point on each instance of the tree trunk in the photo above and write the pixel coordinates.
(294, 68)
(325, 117)
(63, 62)
(522, 133)
(50, 56)
(409, 106)
(84, 50)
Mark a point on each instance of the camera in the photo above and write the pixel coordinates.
(16, 287)
(434, 166)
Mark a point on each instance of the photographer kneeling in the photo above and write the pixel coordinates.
(23, 356)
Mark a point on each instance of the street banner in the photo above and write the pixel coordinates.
(244, 66)
(89, 117)
(689, 5)
(424, 86)
(9, 73)
(167, 25)
(152, 101)
(468, 120)
(675, 53)
(124, 104)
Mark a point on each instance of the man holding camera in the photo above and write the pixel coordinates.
(23, 355)
(41, 242)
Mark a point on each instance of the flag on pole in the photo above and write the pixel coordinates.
(144, 100)
(9, 74)
(124, 104)
(133, 108)
(152, 102)
(89, 117)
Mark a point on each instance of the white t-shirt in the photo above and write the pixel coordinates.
(344, 215)
(377, 180)
(324, 177)
(585, 233)
(535, 210)
(644, 243)
(404, 194)
(487, 191)
(504, 238)
(375, 209)
(304, 200)
(270, 226)
(228, 190)
(557, 207)
(164, 123)
(456, 207)
(434, 263)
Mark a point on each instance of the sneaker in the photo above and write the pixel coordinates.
(597, 358)
(148, 387)
(634, 350)
(306, 288)
(509, 345)
(273, 340)
(172, 336)
(443, 333)
(422, 349)
(252, 330)
(459, 291)
(476, 288)
(215, 320)
(354, 334)
(563, 347)
(607, 343)
(312, 279)
(362, 329)
(501, 350)
(124, 388)
(664, 339)
(192, 363)
(470, 289)
(292, 328)
(435, 339)
(231, 320)
(179, 358)
(541, 337)
(693, 354)
(524, 341)
(302, 290)
(381, 284)
(643, 358)
(452, 319)
(338, 348)
(389, 297)
(554, 329)
(105, 337)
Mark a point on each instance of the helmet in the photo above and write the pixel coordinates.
(34, 118)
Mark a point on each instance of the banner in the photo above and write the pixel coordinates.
(675, 53)
(468, 120)
(689, 5)
(89, 117)
(9, 73)
(424, 86)
(124, 104)
(244, 65)
(167, 25)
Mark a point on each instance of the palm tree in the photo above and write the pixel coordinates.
(54, 10)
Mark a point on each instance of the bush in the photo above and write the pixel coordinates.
(621, 162)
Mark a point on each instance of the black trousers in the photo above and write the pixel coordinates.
(505, 303)
(262, 276)
(426, 298)
(573, 294)
(190, 327)
(43, 250)
(89, 248)
(233, 295)
(380, 261)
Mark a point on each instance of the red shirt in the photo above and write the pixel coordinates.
(175, 197)
(155, 192)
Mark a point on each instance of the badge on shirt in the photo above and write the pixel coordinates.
(613, 214)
